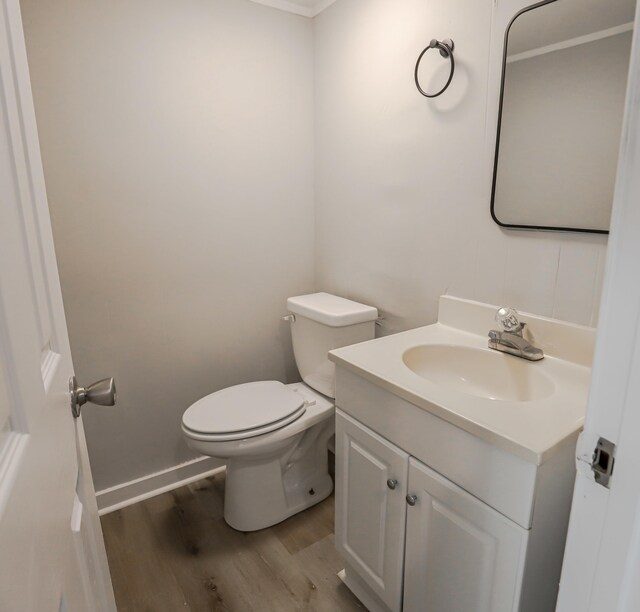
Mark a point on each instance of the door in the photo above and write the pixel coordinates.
(51, 551)
(371, 484)
(462, 555)
(602, 556)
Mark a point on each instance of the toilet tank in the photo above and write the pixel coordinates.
(324, 322)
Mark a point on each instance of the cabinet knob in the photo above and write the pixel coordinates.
(412, 499)
(392, 483)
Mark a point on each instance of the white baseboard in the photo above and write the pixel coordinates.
(134, 491)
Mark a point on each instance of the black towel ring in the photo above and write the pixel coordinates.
(446, 50)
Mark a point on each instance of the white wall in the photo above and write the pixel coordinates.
(177, 140)
(403, 183)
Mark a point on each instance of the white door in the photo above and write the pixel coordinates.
(51, 551)
(462, 555)
(371, 485)
(601, 569)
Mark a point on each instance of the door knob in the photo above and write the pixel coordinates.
(392, 483)
(102, 393)
(412, 499)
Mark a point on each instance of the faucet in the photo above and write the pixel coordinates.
(510, 339)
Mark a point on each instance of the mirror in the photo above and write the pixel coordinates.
(564, 78)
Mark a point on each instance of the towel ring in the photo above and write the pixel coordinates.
(446, 50)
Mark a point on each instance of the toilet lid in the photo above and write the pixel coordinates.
(243, 408)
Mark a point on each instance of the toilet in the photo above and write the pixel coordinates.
(273, 437)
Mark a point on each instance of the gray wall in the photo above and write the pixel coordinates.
(178, 144)
(403, 183)
(177, 140)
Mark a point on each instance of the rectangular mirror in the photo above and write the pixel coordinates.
(564, 79)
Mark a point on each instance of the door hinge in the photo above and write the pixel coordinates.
(602, 462)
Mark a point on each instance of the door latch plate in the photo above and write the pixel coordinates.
(603, 460)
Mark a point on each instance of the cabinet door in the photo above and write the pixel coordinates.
(370, 514)
(461, 555)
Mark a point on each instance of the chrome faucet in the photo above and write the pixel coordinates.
(510, 339)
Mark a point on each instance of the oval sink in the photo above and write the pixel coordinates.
(481, 373)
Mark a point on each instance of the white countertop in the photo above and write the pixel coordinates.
(532, 429)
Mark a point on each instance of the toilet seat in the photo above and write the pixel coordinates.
(243, 411)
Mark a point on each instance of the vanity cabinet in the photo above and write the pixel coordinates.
(418, 541)
(487, 530)
(479, 451)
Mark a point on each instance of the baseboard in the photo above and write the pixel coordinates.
(134, 491)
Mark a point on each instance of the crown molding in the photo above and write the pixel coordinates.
(297, 9)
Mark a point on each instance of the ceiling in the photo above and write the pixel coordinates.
(306, 8)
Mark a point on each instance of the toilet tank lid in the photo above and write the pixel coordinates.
(331, 310)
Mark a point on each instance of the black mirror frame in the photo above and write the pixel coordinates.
(497, 151)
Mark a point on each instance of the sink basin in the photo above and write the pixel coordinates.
(480, 372)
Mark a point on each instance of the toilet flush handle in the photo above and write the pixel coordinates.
(289, 317)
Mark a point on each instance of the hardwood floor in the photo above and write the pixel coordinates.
(175, 552)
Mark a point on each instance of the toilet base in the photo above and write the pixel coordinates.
(261, 493)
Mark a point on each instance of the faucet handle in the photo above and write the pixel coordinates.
(507, 318)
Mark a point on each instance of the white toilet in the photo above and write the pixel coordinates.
(273, 437)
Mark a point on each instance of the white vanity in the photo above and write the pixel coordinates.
(455, 463)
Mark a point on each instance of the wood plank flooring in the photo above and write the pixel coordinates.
(175, 552)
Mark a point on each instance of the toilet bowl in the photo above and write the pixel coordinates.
(272, 472)
(274, 437)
